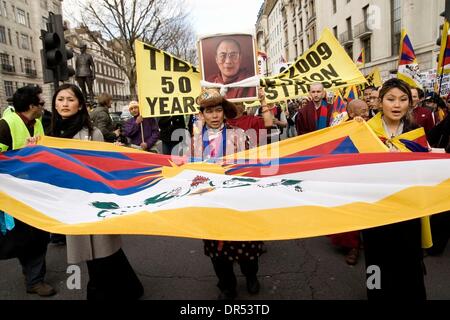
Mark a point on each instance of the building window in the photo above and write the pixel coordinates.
(2, 34)
(334, 6)
(9, 36)
(312, 8)
(25, 42)
(367, 49)
(21, 64)
(44, 23)
(27, 64)
(349, 28)
(365, 13)
(4, 59)
(3, 11)
(349, 50)
(21, 17)
(313, 35)
(9, 89)
(396, 25)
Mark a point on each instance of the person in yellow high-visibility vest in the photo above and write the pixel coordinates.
(17, 239)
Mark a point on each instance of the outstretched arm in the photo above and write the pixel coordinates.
(265, 109)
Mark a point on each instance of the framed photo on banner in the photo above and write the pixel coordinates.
(228, 59)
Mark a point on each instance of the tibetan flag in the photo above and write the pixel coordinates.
(352, 94)
(95, 192)
(319, 183)
(262, 63)
(349, 137)
(414, 140)
(408, 69)
(338, 104)
(339, 114)
(444, 54)
(361, 61)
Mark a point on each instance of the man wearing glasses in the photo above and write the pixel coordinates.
(228, 60)
(18, 239)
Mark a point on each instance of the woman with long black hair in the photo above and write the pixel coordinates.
(110, 274)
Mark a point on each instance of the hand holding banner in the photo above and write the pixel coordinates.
(168, 85)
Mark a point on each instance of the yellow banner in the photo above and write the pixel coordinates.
(443, 68)
(326, 62)
(169, 86)
(374, 78)
(166, 84)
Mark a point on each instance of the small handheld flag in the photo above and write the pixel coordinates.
(361, 61)
(352, 94)
(408, 69)
(444, 55)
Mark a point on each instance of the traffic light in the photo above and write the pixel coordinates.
(51, 54)
(54, 53)
(65, 71)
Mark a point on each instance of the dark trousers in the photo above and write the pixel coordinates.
(174, 146)
(29, 245)
(396, 250)
(167, 147)
(33, 268)
(224, 271)
(82, 83)
(440, 231)
(113, 278)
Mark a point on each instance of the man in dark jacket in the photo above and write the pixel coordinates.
(168, 126)
(102, 120)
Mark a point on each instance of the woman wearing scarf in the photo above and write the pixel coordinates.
(217, 140)
(396, 249)
(110, 274)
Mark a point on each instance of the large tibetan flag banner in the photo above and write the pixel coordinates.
(320, 183)
(408, 68)
(444, 54)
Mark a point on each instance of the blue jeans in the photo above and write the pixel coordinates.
(34, 269)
